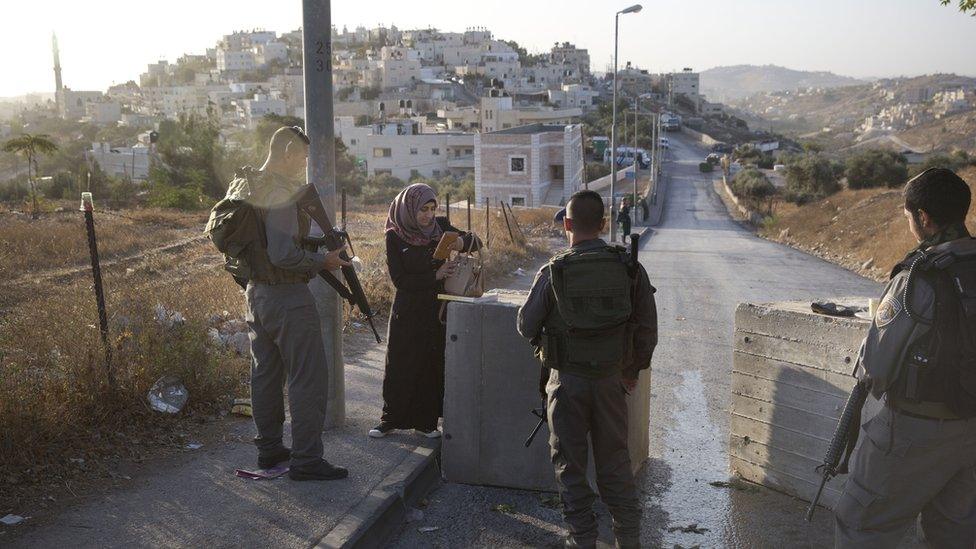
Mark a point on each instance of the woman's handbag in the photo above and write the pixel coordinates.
(467, 279)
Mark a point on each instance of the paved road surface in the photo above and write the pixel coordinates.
(703, 265)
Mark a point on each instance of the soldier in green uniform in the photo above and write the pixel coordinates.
(283, 322)
(917, 457)
(592, 317)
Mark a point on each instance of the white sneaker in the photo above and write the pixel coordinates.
(432, 434)
(380, 431)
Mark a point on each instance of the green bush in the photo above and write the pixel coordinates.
(705, 167)
(60, 186)
(596, 170)
(753, 184)
(122, 192)
(810, 177)
(13, 191)
(875, 168)
(766, 162)
(381, 189)
(953, 161)
(181, 198)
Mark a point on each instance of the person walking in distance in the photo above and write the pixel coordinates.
(595, 341)
(918, 458)
(283, 323)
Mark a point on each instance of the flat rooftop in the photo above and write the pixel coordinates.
(532, 128)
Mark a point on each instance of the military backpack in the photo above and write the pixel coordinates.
(235, 224)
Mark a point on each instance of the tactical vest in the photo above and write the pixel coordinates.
(237, 228)
(940, 367)
(589, 331)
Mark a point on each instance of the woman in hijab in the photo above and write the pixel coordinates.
(413, 386)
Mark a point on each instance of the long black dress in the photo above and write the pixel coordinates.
(413, 386)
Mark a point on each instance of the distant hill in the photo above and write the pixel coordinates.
(736, 82)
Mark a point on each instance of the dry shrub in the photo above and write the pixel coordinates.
(55, 401)
(852, 227)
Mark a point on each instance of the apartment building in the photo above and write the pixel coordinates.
(125, 162)
(399, 147)
(532, 165)
(580, 96)
(567, 53)
(250, 111)
(398, 67)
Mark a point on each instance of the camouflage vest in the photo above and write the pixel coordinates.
(589, 331)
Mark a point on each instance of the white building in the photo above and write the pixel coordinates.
(686, 83)
(125, 162)
(269, 52)
(574, 95)
(567, 53)
(245, 40)
(400, 148)
(250, 111)
(235, 61)
(74, 104)
(398, 67)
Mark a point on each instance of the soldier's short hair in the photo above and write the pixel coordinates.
(941, 193)
(284, 137)
(586, 210)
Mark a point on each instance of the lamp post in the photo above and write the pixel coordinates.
(613, 127)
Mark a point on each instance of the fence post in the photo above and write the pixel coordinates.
(507, 224)
(88, 207)
(447, 205)
(487, 221)
(469, 214)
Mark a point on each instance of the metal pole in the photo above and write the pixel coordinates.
(447, 206)
(469, 214)
(88, 208)
(633, 205)
(613, 131)
(487, 221)
(317, 56)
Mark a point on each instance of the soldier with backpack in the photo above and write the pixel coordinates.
(918, 456)
(592, 317)
(262, 231)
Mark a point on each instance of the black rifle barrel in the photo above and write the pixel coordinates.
(844, 435)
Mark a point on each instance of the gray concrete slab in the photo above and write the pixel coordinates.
(704, 264)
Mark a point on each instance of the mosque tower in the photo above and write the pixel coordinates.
(58, 87)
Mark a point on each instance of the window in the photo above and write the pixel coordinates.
(414, 174)
(437, 173)
(413, 151)
(383, 172)
(517, 201)
(516, 164)
(435, 152)
(379, 152)
(506, 126)
(352, 142)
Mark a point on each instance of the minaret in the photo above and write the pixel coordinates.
(58, 88)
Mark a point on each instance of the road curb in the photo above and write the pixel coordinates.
(379, 515)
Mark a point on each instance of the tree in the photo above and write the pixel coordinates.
(810, 177)
(31, 146)
(965, 6)
(752, 185)
(876, 168)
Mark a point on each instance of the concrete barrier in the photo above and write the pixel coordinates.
(491, 385)
(791, 376)
(702, 138)
(753, 216)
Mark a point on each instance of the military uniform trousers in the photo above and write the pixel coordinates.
(286, 343)
(577, 407)
(905, 466)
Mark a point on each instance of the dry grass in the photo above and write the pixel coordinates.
(59, 240)
(55, 403)
(853, 228)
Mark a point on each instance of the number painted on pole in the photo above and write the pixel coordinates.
(319, 65)
(319, 47)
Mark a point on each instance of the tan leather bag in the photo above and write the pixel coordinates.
(468, 279)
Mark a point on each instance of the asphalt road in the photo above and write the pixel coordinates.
(703, 264)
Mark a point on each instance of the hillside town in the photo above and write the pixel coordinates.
(408, 103)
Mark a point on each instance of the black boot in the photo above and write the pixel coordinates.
(274, 457)
(321, 470)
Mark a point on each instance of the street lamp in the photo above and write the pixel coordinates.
(613, 127)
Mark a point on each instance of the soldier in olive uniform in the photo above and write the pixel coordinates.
(286, 341)
(918, 456)
(592, 317)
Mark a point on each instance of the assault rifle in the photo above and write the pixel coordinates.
(333, 239)
(843, 442)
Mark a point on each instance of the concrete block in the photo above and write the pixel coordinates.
(491, 385)
(791, 375)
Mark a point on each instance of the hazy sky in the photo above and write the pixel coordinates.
(109, 41)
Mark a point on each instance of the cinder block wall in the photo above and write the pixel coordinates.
(791, 376)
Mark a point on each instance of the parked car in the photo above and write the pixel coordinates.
(722, 148)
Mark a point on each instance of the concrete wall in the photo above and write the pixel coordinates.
(791, 376)
(702, 138)
(491, 385)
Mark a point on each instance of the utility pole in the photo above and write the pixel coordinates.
(319, 124)
(633, 205)
(613, 125)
